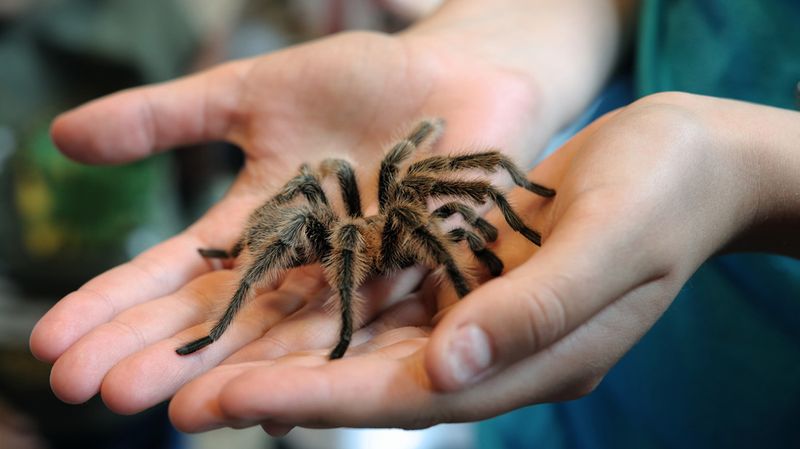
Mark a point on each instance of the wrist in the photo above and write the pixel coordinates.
(537, 41)
(767, 140)
(756, 147)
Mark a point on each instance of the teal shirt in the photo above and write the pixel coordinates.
(743, 49)
(721, 368)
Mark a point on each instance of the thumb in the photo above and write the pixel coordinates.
(583, 267)
(135, 123)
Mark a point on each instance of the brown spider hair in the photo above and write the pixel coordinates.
(286, 232)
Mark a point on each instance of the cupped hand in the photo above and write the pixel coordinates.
(346, 96)
(645, 195)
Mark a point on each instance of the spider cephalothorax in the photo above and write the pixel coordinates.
(287, 232)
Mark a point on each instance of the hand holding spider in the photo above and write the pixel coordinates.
(618, 248)
(281, 235)
(631, 220)
(343, 95)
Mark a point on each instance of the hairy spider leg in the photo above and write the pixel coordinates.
(347, 183)
(488, 161)
(401, 218)
(280, 254)
(426, 186)
(405, 220)
(346, 270)
(476, 243)
(478, 247)
(427, 130)
(216, 253)
(306, 182)
(435, 247)
(486, 229)
(511, 217)
(391, 258)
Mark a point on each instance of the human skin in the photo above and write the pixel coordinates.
(644, 196)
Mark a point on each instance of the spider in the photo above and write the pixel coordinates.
(287, 232)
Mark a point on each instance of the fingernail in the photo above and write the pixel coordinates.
(470, 354)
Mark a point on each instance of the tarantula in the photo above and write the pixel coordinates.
(284, 233)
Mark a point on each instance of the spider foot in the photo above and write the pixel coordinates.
(540, 189)
(487, 230)
(214, 253)
(531, 235)
(339, 350)
(492, 262)
(196, 345)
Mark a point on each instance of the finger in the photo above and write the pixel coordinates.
(393, 334)
(78, 373)
(392, 329)
(531, 297)
(406, 320)
(155, 273)
(134, 123)
(389, 387)
(374, 381)
(308, 329)
(195, 407)
(386, 390)
(592, 257)
(574, 365)
(584, 265)
(197, 401)
(155, 373)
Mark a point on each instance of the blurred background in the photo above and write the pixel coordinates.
(63, 223)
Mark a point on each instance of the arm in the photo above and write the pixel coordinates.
(765, 142)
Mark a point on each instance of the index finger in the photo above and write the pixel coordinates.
(158, 271)
(155, 273)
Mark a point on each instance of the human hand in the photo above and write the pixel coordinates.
(343, 95)
(645, 195)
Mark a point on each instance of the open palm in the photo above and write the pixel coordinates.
(344, 96)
